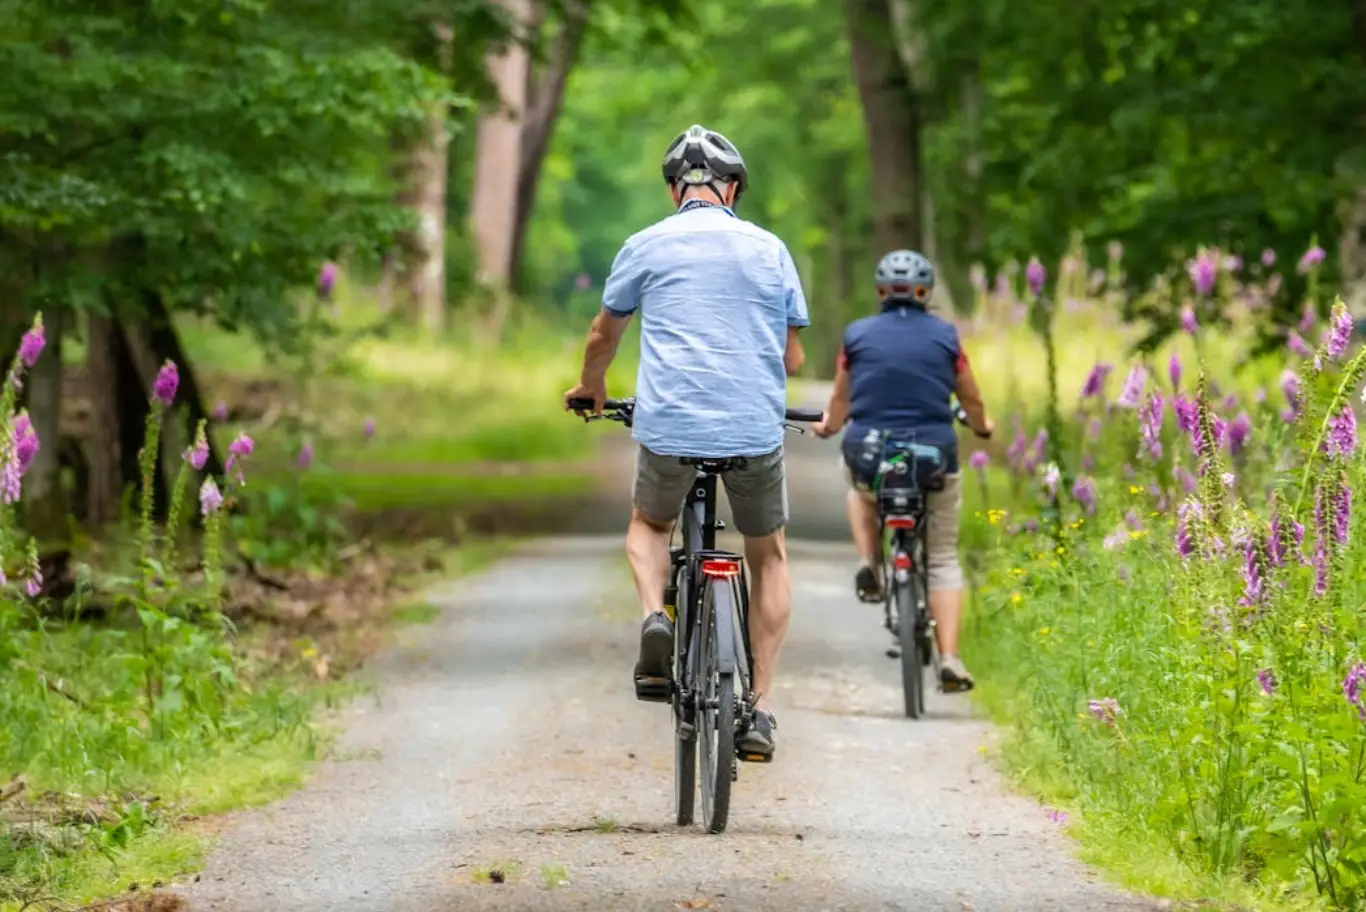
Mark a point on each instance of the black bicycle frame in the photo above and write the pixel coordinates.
(699, 543)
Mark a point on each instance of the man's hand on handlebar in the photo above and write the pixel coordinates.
(595, 392)
(986, 432)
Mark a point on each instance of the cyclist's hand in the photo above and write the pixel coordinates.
(597, 392)
(987, 430)
(823, 430)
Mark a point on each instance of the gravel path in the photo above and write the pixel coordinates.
(506, 739)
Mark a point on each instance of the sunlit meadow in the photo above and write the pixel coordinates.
(1169, 607)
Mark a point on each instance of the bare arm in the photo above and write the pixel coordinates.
(793, 355)
(604, 337)
(837, 412)
(970, 397)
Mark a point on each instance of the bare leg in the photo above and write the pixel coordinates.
(863, 524)
(770, 607)
(946, 605)
(647, 549)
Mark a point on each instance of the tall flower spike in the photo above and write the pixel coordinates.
(1035, 276)
(1132, 393)
(32, 344)
(166, 383)
(1341, 439)
(1203, 271)
(1340, 331)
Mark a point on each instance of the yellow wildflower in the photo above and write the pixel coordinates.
(1016, 598)
(1134, 489)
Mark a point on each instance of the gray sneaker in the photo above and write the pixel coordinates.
(756, 743)
(953, 675)
(652, 673)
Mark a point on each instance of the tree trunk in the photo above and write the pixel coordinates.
(498, 156)
(149, 343)
(423, 168)
(103, 444)
(892, 112)
(45, 506)
(545, 97)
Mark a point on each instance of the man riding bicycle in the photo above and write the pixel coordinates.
(895, 375)
(720, 304)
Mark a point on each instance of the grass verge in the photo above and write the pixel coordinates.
(104, 814)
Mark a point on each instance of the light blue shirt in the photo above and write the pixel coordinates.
(716, 295)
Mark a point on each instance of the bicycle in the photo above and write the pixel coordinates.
(707, 598)
(901, 513)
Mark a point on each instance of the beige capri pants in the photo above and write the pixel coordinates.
(942, 512)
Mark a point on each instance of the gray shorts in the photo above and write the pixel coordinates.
(757, 492)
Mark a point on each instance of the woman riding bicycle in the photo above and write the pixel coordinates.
(896, 373)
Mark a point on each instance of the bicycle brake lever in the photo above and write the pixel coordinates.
(793, 427)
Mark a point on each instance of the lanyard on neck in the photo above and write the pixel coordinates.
(692, 204)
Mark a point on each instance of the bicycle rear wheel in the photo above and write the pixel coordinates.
(716, 673)
(912, 669)
(685, 722)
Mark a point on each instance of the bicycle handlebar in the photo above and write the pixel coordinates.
(629, 405)
(961, 414)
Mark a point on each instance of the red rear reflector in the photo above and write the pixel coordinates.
(900, 522)
(720, 569)
(901, 562)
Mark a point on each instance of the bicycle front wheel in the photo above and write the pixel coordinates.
(716, 703)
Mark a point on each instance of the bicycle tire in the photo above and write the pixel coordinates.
(716, 706)
(912, 671)
(685, 733)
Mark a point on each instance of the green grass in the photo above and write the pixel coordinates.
(270, 739)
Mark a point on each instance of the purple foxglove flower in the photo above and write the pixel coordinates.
(1352, 687)
(1035, 276)
(1267, 680)
(1341, 439)
(1174, 372)
(1313, 257)
(1188, 322)
(166, 383)
(327, 279)
(210, 498)
(1202, 271)
(1268, 258)
(1340, 332)
(32, 344)
(1298, 345)
(978, 460)
(1132, 393)
(1095, 381)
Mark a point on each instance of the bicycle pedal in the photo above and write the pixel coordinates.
(653, 690)
(870, 598)
(750, 757)
(893, 652)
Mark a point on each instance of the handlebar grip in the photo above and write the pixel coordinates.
(961, 414)
(586, 405)
(799, 414)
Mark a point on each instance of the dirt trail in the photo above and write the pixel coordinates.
(505, 737)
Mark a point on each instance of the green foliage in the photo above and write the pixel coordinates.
(1207, 706)
(215, 155)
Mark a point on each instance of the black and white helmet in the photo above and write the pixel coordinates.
(906, 274)
(702, 156)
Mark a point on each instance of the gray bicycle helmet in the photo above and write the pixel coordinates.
(906, 274)
(699, 156)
